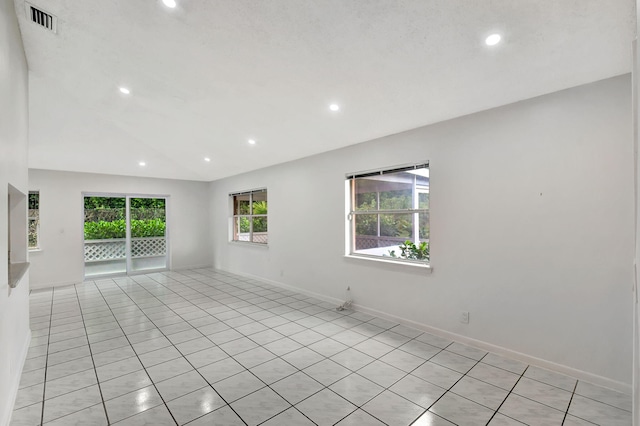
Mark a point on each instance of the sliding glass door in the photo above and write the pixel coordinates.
(148, 218)
(124, 234)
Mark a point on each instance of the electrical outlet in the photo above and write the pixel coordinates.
(464, 317)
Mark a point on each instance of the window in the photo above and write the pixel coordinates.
(389, 213)
(34, 220)
(250, 216)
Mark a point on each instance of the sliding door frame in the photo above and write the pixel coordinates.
(129, 267)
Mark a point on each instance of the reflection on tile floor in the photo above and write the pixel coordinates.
(204, 347)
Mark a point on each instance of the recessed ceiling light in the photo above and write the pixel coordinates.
(334, 107)
(493, 39)
(207, 159)
(142, 163)
(169, 3)
(252, 141)
(124, 90)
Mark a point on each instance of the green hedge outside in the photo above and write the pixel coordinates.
(103, 230)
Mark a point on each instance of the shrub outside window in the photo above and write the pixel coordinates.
(34, 220)
(250, 216)
(389, 213)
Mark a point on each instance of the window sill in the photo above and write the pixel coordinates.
(37, 249)
(248, 243)
(394, 263)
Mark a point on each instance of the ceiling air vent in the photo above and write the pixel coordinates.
(42, 18)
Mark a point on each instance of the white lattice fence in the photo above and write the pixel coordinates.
(101, 250)
(147, 247)
(97, 250)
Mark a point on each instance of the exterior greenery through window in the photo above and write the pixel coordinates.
(389, 213)
(34, 220)
(105, 217)
(250, 216)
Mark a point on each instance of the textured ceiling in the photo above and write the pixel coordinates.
(210, 74)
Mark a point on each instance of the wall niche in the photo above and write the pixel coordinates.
(17, 235)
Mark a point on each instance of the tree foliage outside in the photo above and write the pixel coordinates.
(103, 230)
(33, 234)
(34, 200)
(105, 218)
(34, 218)
(120, 203)
(391, 225)
(409, 250)
(259, 223)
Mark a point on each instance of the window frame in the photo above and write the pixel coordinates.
(251, 216)
(35, 219)
(352, 213)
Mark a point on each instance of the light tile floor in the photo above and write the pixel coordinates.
(204, 347)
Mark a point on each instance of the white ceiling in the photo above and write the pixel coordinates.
(210, 74)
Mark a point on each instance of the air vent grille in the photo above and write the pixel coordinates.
(42, 18)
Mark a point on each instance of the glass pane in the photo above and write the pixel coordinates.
(34, 212)
(33, 233)
(260, 202)
(148, 217)
(394, 230)
(260, 230)
(148, 233)
(397, 225)
(392, 234)
(366, 200)
(241, 204)
(423, 226)
(423, 200)
(241, 226)
(104, 235)
(34, 201)
(386, 192)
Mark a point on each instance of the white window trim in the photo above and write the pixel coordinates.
(250, 216)
(350, 216)
(29, 220)
(394, 262)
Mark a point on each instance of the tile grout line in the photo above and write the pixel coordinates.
(406, 374)
(328, 358)
(138, 358)
(353, 347)
(508, 394)
(464, 374)
(566, 413)
(44, 387)
(73, 412)
(306, 315)
(95, 370)
(165, 336)
(241, 296)
(276, 357)
(233, 356)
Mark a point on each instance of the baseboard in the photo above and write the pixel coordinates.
(15, 383)
(528, 359)
(500, 350)
(51, 285)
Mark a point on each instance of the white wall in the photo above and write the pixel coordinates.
(14, 304)
(634, 300)
(532, 222)
(61, 259)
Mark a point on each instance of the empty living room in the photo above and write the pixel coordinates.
(220, 213)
